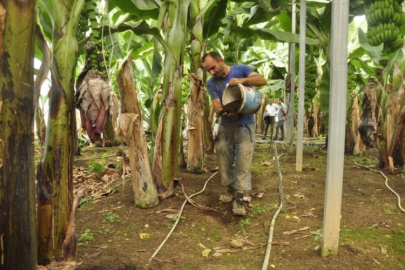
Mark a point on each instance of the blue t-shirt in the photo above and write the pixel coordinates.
(216, 87)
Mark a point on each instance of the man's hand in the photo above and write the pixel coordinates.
(228, 114)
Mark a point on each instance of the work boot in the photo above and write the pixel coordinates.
(228, 196)
(238, 208)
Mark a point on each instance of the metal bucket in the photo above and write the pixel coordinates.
(251, 100)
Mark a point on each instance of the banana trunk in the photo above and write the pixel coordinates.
(17, 189)
(59, 150)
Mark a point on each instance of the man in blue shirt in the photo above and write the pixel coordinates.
(236, 136)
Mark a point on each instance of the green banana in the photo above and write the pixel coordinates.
(398, 42)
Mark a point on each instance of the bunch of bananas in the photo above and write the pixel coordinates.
(385, 18)
(92, 13)
(230, 55)
(95, 56)
(82, 27)
(311, 77)
(351, 81)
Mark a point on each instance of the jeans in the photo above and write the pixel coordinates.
(266, 127)
(235, 145)
(280, 125)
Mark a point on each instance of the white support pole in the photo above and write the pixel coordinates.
(301, 86)
(289, 101)
(337, 122)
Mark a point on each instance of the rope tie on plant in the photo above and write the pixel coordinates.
(282, 206)
(177, 220)
(386, 184)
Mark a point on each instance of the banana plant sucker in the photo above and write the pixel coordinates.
(172, 90)
(195, 157)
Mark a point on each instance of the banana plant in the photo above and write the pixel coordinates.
(197, 105)
(169, 124)
(166, 153)
(17, 109)
(383, 103)
(131, 128)
(195, 156)
(59, 21)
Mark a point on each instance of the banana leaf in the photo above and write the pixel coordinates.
(375, 52)
(324, 89)
(364, 66)
(272, 35)
(269, 5)
(213, 18)
(142, 9)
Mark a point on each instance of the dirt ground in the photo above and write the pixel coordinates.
(114, 234)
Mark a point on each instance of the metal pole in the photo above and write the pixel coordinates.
(301, 86)
(290, 100)
(337, 122)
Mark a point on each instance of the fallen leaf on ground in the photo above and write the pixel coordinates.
(245, 241)
(302, 236)
(144, 235)
(171, 216)
(206, 252)
(247, 199)
(214, 169)
(299, 195)
(170, 210)
(217, 254)
(309, 213)
(287, 233)
(236, 243)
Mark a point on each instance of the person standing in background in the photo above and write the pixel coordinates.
(282, 117)
(236, 135)
(269, 118)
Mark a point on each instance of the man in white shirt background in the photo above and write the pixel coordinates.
(269, 118)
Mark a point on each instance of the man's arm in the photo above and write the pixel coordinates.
(254, 79)
(284, 110)
(218, 108)
(217, 105)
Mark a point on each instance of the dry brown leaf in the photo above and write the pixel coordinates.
(247, 199)
(299, 195)
(288, 233)
(303, 236)
(169, 210)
